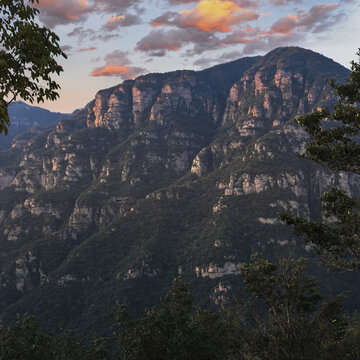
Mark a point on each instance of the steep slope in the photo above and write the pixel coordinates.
(176, 173)
(24, 117)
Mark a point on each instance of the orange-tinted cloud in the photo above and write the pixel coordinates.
(118, 21)
(116, 18)
(295, 28)
(110, 70)
(216, 15)
(117, 63)
(209, 15)
(57, 12)
(62, 12)
(207, 28)
(303, 20)
(200, 27)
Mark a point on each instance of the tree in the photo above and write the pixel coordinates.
(285, 318)
(26, 341)
(335, 145)
(28, 54)
(173, 331)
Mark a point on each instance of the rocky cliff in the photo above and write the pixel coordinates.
(27, 121)
(182, 173)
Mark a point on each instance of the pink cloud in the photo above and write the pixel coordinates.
(117, 63)
(118, 21)
(92, 48)
(303, 20)
(110, 70)
(216, 31)
(61, 12)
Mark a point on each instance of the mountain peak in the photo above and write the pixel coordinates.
(175, 173)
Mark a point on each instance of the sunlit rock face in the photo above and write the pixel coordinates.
(182, 173)
(111, 108)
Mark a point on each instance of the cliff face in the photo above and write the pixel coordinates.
(182, 173)
(24, 117)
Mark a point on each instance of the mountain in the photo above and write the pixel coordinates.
(180, 173)
(24, 117)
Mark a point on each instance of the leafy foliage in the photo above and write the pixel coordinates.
(173, 331)
(26, 341)
(285, 317)
(293, 323)
(27, 57)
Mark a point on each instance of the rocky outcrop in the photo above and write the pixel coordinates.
(244, 184)
(203, 162)
(6, 178)
(266, 97)
(215, 271)
(111, 108)
(182, 173)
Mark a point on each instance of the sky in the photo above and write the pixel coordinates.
(108, 41)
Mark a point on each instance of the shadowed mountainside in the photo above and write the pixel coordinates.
(24, 117)
(181, 173)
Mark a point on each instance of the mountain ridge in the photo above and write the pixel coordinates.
(24, 117)
(165, 175)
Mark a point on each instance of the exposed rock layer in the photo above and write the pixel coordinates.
(178, 173)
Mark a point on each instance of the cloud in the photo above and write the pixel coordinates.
(117, 63)
(125, 20)
(158, 41)
(114, 6)
(62, 12)
(228, 56)
(110, 70)
(81, 32)
(180, 2)
(84, 34)
(199, 37)
(231, 55)
(203, 63)
(92, 48)
(199, 27)
(265, 43)
(285, 2)
(241, 36)
(242, 3)
(294, 28)
(66, 48)
(209, 15)
(316, 17)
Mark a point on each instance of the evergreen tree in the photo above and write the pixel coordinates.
(173, 331)
(335, 145)
(286, 318)
(26, 341)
